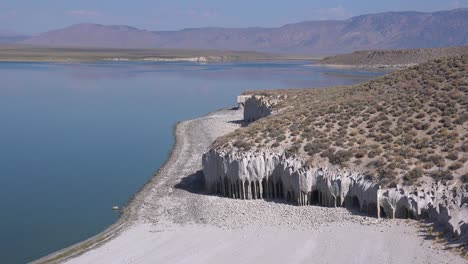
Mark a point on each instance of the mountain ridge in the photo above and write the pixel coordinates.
(388, 30)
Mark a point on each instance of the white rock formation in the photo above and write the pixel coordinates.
(241, 99)
(269, 175)
(258, 106)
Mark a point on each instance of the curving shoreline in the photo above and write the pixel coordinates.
(129, 213)
(172, 220)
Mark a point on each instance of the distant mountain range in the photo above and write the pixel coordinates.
(388, 30)
(7, 37)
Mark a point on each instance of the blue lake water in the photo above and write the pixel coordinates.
(76, 139)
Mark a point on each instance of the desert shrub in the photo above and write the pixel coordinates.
(464, 178)
(327, 152)
(452, 155)
(386, 175)
(360, 153)
(455, 166)
(242, 144)
(314, 147)
(442, 175)
(413, 175)
(369, 176)
(377, 163)
(438, 160)
(428, 165)
(463, 159)
(340, 157)
(420, 115)
(374, 153)
(464, 147)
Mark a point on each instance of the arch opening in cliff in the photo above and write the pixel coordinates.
(253, 190)
(352, 202)
(246, 190)
(372, 209)
(237, 188)
(404, 213)
(264, 189)
(271, 189)
(225, 187)
(424, 214)
(314, 197)
(258, 190)
(382, 212)
(279, 189)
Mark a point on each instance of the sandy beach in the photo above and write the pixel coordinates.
(171, 220)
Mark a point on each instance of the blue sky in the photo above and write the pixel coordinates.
(33, 16)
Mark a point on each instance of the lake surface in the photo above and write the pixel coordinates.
(76, 139)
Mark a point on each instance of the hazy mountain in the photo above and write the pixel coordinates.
(373, 31)
(8, 37)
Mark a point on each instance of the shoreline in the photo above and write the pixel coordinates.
(386, 68)
(127, 214)
(21, 53)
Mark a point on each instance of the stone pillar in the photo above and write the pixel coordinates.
(242, 192)
(273, 193)
(223, 187)
(261, 190)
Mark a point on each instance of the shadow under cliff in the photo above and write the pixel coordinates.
(194, 183)
(443, 238)
(240, 122)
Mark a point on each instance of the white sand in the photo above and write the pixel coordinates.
(175, 223)
(352, 243)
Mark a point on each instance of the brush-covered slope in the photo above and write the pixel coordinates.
(408, 127)
(401, 57)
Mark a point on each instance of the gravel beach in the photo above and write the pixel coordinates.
(172, 220)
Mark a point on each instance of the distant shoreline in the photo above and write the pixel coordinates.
(20, 53)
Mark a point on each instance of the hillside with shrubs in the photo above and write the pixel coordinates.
(393, 58)
(408, 127)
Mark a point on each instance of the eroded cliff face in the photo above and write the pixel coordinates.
(258, 106)
(269, 175)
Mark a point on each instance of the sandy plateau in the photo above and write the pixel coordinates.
(173, 221)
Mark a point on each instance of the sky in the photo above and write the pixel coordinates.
(35, 16)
